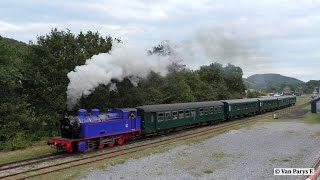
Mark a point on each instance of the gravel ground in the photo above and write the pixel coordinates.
(248, 153)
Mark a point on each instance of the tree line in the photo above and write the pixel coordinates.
(33, 81)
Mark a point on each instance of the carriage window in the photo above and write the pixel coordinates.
(160, 116)
(187, 113)
(193, 113)
(206, 111)
(168, 115)
(215, 110)
(174, 115)
(151, 118)
(219, 109)
(181, 114)
(201, 111)
(211, 110)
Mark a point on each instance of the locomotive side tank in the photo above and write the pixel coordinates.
(116, 121)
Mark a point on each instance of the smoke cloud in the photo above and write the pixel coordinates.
(122, 61)
(132, 61)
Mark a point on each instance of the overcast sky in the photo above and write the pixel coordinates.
(278, 36)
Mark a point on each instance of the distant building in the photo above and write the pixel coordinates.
(250, 90)
(297, 93)
(270, 94)
(287, 90)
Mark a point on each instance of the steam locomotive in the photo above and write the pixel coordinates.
(93, 130)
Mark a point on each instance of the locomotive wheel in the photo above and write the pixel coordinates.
(101, 146)
(120, 141)
(110, 144)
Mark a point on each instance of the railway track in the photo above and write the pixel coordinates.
(315, 165)
(168, 140)
(26, 162)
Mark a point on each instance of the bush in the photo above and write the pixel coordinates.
(18, 141)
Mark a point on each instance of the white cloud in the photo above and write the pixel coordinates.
(33, 29)
(4, 26)
(138, 10)
(282, 30)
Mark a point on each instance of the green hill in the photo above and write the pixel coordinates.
(13, 42)
(269, 81)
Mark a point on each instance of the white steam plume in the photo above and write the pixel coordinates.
(122, 61)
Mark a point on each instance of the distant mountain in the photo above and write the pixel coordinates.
(269, 81)
(14, 42)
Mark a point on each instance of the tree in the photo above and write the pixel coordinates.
(16, 118)
(177, 90)
(232, 76)
(48, 63)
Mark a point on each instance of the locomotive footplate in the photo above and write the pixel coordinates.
(62, 144)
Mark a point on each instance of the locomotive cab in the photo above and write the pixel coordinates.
(70, 127)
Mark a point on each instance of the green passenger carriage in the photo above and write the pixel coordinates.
(240, 107)
(268, 104)
(161, 117)
(293, 100)
(285, 101)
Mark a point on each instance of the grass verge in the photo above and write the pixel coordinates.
(37, 150)
(312, 118)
